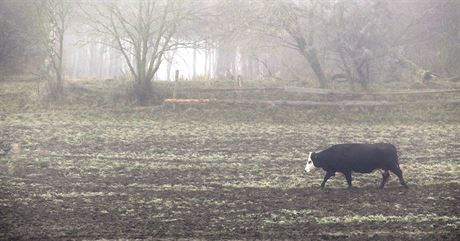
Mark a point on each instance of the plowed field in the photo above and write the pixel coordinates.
(168, 175)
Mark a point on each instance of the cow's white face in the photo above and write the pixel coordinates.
(309, 167)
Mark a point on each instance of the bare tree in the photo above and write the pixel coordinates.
(368, 34)
(17, 37)
(143, 31)
(9, 37)
(53, 19)
(296, 25)
(358, 34)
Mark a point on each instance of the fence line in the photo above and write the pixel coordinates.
(315, 91)
(294, 89)
(228, 89)
(346, 103)
(327, 91)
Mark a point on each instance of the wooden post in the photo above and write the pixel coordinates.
(176, 78)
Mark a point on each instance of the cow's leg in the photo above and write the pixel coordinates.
(385, 176)
(326, 177)
(348, 177)
(398, 173)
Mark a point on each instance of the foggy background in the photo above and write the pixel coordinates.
(194, 119)
(363, 41)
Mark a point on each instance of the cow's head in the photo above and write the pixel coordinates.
(309, 167)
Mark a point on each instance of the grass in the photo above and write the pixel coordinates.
(123, 172)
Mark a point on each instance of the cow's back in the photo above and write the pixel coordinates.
(362, 158)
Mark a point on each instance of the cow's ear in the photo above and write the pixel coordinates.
(313, 156)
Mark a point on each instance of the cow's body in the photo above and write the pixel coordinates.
(362, 158)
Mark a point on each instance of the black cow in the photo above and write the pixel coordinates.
(362, 158)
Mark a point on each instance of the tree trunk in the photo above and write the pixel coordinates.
(194, 64)
(226, 54)
(169, 64)
(310, 54)
(168, 70)
(347, 68)
(206, 56)
(143, 91)
(312, 58)
(212, 63)
(59, 86)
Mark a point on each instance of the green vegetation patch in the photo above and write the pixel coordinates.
(411, 218)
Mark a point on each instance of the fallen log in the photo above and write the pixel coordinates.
(334, 92)
(186, 101)
(454, 79)
(228, 89)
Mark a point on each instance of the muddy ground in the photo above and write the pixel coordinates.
(91, 175)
